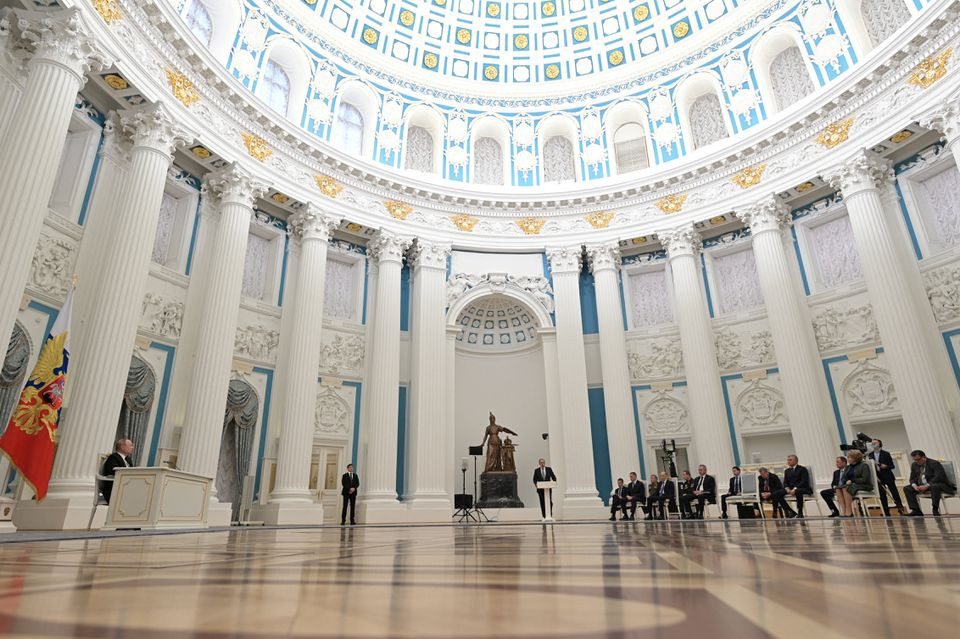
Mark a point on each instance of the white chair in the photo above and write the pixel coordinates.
(749, 492)
(951, 472)
(808, 498)
(861, 497)
(97, 497)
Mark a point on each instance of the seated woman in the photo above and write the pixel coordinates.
(856, 479)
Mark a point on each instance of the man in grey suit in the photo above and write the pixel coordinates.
(927, 476)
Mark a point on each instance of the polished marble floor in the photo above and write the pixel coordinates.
(819, 578)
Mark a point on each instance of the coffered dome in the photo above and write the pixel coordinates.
(496, 323)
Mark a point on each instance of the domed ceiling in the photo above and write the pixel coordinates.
(496, 323)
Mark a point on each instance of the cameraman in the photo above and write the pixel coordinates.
(885, 477)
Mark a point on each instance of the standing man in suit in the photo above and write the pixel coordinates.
(662, 497)
(796, 483)
(704, 490)
(618, 501)
(926, 476)
(349, 484)
(543, 473)
(119, 458)
(838, 480)
(636, 494)
(769, 484)
(885, 478)
(733, 490)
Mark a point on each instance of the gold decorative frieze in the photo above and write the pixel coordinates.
(750, 176)
(835, 134)
(931, 69)
(463, 222)
(531, 225)
(327, 185)
(108, 10)
(182, 87)
(256, 146)
(599, 219)
(398, 209)
(672, 203)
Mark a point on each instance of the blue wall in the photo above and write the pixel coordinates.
(601, 447)
(588, 303)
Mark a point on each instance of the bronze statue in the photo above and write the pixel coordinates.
(509, 466)
(491, 437)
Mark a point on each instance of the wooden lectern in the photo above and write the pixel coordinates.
(547, 487)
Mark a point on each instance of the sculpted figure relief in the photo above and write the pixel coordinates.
(491, 437)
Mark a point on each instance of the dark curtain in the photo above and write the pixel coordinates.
(137, 403)
(241, 414)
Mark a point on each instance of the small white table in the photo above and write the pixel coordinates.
(152, 498)
(547, 488)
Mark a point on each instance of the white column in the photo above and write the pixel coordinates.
(555, 440)
(378, 499)
(99, 377)
(429, 493)
(617, 402)
(203, 422)
(451, 456)
(291, 501)
(926, 415)
(798, 359)
(33, 141)
(580, 499)
(709, 429)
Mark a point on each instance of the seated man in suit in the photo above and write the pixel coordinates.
(796, 483)
(661, 498)
(829, 494)
(704, 489)
(926, 476)
(636, 494)
(119, 458)
(733, 490)
(618, 501)
(543, 473)
(769, 484)
(686, 490)
(885, 477)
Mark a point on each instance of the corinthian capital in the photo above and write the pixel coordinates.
(388, 247)
(567, 259)
(944, 118)
(313, 224)
(862, 171)
(232, 184)
(426, 254)
(769, 214)
(152, 127)
(604, 256)
(683, 240)
(59, 37)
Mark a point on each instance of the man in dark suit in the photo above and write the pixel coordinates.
(636, 494)
(885, 477)
(926, 476)
(119, 458)
(838, 480)
(618, 501)
(349, 484)
(661, 498)
(543, 473)
(796, 483)
(769, 484)
(703, 490)
(733, 490)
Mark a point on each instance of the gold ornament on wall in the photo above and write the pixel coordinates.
(548, 9)
(580, 34)
(464, 36)
(108, 10)
(931, 69)
(835, 134)
(641, 13)
(430, 60)
(407, 18)
(521, 41)
(615, 57)
(672, 203)
(256, 146)
(201, 152)
(552, 71)
(531, 225)
(353, 227)
(463, 222)
(493, 9)
(806, 186)
(370, 36)
(750, 176)
(397, 209)
(116, 82)
(681, 29)
(280, 198)
(491, 72)
(901, 136)
(599, 219)
(717, 220)
(327, 185)
(182, 87)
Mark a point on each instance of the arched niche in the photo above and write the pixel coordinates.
(558, 125)
(763, 53)
(619, 115)
(365, 100)
(225, 18)
(496, 129)
(688, 93)
(427, 118)
(290, 57)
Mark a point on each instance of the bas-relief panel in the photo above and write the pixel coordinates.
(161, 315)
(52, 265)
(334, 412)
(943, 291)
(865, 392)
(758, 406)
(649, 298)
(744, 345)
(736, 282)
(654, 358)
(342, 353)
(845, 324)
(663, 413)
(257, 337)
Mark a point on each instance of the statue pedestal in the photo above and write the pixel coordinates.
(498, 489)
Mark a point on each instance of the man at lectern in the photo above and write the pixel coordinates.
(544, 473)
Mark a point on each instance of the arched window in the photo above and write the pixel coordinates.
(558, 161)
(274, 87)
(883, 17)
(487, 161)
(789, 78)
(419, 149)
(706, 120)
(630, 148)
(347, 130)
(198, 19)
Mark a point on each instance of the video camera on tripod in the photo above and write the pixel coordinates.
(668, 455)
(860, 442)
